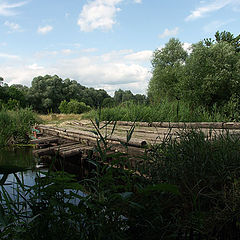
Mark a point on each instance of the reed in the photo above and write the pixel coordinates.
(175, 111)
(15, 126)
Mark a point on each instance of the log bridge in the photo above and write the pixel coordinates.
(74, 141)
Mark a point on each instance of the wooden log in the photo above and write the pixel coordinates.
(70, 153)
(78, 135)
(73, 152)
(45, 151)
(50, 150)
(68, 148)
(45, 140)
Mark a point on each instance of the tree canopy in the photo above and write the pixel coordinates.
(167, 65)
(209, 75)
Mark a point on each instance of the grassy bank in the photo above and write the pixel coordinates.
(186, 189)
(16, 125)
(165, 111)
(58, 118)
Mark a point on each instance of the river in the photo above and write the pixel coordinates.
(13, 160)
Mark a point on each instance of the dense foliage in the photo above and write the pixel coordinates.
(16, 126)
(207, 75)
(47, 93)
(73, 107)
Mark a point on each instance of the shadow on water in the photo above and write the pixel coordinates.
(20, 157)
(20, 161)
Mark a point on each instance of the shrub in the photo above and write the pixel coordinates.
(73, 107)
(16, 125)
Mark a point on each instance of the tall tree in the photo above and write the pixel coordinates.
(224, 37)
(167, 66)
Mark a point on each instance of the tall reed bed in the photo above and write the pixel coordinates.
(16, 125)
(165, 111)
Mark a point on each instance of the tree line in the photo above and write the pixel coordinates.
(206, 75)
(53, 94)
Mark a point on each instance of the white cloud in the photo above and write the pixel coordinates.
(124, 69)
(98, 14)
(35, 66)
(213, 6)
(140, 56)
(138, 1)
(93, 72)
(66, 51)
(168, 33)
(14, 27)
(7, 9)
(44, 30)
(9, 56)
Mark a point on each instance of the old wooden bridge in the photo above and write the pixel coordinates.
(76, 140)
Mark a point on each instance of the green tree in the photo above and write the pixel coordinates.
(46, 93)
(168, 64)
(63, 107)
(73, 107)
(211, 74)
(108, 102)
(225, 37)
(118, 96)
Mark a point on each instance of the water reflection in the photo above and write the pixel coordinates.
(21, 157)
(12, 161)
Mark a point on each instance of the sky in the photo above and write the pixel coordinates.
(105, 44)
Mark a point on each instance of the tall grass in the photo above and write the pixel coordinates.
(16, 125)
(163, 112)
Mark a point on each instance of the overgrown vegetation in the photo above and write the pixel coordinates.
(74, 107)
(185, 188)
(16, 125)
(172, 111)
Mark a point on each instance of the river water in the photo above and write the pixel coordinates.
(11, 160)
(23, 158)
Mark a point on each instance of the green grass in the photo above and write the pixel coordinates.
(163, 112)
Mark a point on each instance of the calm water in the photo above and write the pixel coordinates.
(18, 157)
(21, 157)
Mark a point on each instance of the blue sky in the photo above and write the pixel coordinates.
(102, 43)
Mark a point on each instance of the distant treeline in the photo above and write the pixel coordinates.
(47, 93)
(206, 76)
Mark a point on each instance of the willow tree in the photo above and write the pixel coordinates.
(168, 64)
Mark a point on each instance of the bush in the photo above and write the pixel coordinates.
(73, 107)
(16, 125)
